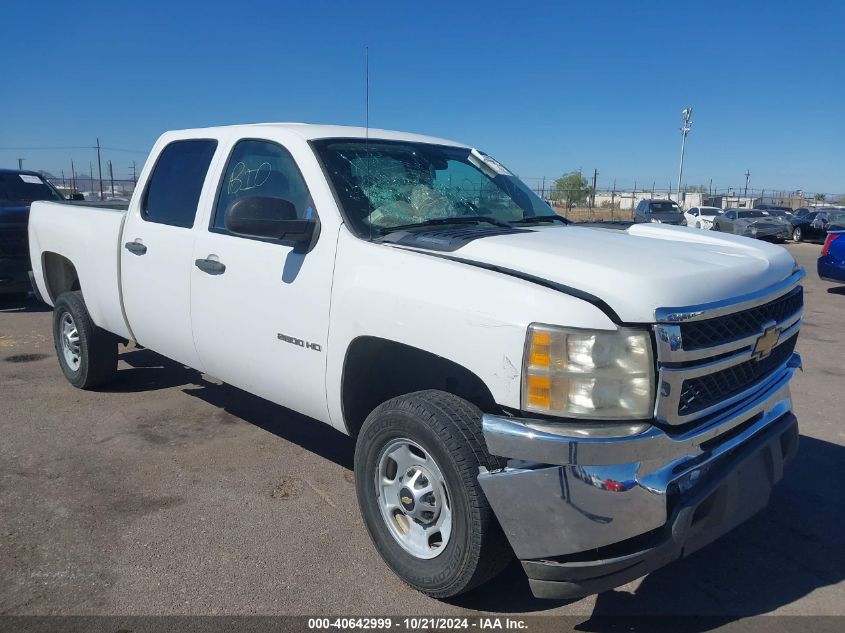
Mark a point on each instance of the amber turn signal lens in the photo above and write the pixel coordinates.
(539, 391)
(540, 353)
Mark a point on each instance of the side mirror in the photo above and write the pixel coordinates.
(269, 218)
(76, 197)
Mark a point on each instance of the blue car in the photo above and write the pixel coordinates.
(18, 189)
(831, 264)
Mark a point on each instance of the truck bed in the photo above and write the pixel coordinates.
(88, 235)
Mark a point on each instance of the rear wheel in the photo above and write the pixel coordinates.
(416, 473)
(797, 234)
(87, 354)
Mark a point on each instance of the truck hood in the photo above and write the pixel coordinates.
(637, 270)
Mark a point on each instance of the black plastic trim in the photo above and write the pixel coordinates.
(447, 239)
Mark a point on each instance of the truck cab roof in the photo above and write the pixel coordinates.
(311, 131)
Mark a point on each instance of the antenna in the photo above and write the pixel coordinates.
(367, 94)
(367, 127)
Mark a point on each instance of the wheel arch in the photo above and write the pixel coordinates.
(60, 275)
(377, 369)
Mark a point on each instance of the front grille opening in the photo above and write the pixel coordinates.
(700, 393)
(731, 327)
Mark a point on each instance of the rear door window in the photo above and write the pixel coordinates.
(175, 186)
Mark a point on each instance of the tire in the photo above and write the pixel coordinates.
(94, 362)
(447, 433)
(716, 227)
(797, 234)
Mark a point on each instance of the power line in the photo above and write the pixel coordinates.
(66, 147)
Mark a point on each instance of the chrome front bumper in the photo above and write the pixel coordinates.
(586, 513)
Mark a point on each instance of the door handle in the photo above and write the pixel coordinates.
(136, 248)
(210, 266)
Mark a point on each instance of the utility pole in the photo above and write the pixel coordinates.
(593, 195)
(111, 178)
(72, 175)
(135, 177)
(91, 176)
(613, 199)
(63, 178)
(20, 163)
(634, 199)
(99, 168)
(747, 176)
(687, 114)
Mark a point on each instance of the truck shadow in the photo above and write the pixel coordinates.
(792, 548)
(149, 371)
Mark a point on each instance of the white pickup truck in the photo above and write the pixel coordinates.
(596, 401)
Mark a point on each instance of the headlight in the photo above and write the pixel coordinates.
(595, 374)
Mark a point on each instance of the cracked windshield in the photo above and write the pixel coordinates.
(384, 185)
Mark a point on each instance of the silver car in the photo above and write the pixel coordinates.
(753, 223)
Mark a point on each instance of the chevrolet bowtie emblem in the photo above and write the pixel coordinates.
(407, 500)
(766, 342)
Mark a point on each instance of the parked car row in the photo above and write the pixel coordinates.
(770, 222)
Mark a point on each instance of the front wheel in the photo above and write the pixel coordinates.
(716, 227)
(416, 473)
(797, 234)
(87, 354)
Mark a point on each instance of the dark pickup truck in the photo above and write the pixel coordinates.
(18, 190)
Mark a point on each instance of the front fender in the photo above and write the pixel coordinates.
(473, 317)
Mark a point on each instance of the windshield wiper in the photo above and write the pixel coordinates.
(461, 219)
(536, 219)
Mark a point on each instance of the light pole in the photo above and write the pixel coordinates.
(687, 114)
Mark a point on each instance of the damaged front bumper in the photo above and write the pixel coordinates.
(587, 513)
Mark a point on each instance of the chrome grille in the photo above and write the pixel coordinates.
(705, 391)
(712, 356)
(698, 334)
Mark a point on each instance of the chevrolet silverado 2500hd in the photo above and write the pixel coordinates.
(517, 385)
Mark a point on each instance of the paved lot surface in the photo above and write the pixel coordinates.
(171, 493)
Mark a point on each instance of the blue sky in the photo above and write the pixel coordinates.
(546, 88)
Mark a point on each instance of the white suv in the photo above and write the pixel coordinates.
(702, 217)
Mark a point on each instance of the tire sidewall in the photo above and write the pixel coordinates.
(64, 305)
(797, 234)
(433, 575)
